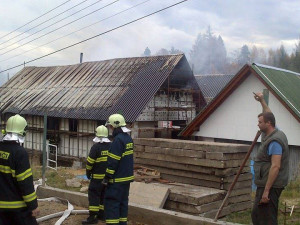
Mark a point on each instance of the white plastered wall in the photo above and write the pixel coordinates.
(236, 117)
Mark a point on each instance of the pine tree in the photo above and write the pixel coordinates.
(147, 52)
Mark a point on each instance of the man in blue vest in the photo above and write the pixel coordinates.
(271, 168)
(119, 172)
(18, 200)
(95, 171)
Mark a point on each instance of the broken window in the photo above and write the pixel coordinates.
(73, 125)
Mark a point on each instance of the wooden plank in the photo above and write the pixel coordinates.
(186, 167)
(192, 196)
(202, 176)
(139, 148)
(225, 156)
(205, 183)
(148, 194)
(194, 145)
(241, 206)
(175, 152)
(191, 161)
(214, 205)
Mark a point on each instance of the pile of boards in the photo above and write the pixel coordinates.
(200, 164)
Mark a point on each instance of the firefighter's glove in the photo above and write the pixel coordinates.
(105, 181)
(88, 174)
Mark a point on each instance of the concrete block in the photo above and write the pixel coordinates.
(148, 194)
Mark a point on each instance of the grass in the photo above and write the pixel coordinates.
(289, 197)
(56, 179)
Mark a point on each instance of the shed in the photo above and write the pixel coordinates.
(147, 91)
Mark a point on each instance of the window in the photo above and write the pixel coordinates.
(53, 123)
(73, 125)
(53, 130)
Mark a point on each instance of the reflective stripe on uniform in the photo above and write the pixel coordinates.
(101, 207)
(114, 156)
(101, 159)
(130, 152)
(123, 179)
(88, 167)
(7, 169)
(124, 219)
(30, 197)
(98, 176)
(12, 204)
(110, 171)
(90, 160)
(94, 208)
(24, 175)
(112, 221)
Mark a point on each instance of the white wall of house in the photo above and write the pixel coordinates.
(236, 117)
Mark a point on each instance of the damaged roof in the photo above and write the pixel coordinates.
(284, 85)
(92, 90)
(211, 85)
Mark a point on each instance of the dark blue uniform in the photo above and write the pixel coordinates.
(120, 173)
(95, 170)
(17, 194)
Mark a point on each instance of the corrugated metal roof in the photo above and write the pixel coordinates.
(91, 90)
(284, 82)
(211, 85)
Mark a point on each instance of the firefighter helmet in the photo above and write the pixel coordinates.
(101, 131)
(116, 120)
(16, 124)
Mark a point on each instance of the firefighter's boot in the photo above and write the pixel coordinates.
(92, 219)
(101, 215)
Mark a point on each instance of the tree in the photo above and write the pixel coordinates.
(295, 61)
(147, 52)
(162, 51)
(244, 56)
(208, 54)
(174, 51)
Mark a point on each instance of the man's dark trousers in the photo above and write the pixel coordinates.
(266, 214)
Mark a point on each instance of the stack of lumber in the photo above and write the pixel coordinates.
(203, 201)
(195, 163)
(207, 164)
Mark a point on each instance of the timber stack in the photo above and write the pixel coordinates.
(197, 164)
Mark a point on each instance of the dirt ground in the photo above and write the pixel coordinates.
(47, 208)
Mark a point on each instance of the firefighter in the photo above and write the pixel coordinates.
(95, 171)
(18, 200)
(119, 172)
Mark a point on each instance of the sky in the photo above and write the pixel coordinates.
(26, 34)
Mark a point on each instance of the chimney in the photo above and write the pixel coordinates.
(81, 56)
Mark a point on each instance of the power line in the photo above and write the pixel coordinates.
(35, 19)
(77, 30)
(54, 29)
(38, 25)
(108, 31)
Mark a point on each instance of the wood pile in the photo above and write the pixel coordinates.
(205, 164)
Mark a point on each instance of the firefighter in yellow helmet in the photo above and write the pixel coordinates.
(95, 171)
(18, 200)
(119, 172)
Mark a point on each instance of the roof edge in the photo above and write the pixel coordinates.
(275, 68)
